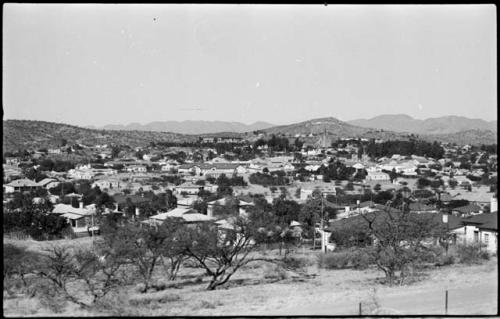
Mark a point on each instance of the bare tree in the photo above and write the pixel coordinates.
(221, 251)
(399, 239)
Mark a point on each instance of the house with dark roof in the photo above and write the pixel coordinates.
(468, 210)
(479, 229)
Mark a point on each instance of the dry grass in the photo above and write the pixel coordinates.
(265, 289)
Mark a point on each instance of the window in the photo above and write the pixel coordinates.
(486, 238)
(476, 236)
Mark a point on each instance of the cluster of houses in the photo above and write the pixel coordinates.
(137, 174)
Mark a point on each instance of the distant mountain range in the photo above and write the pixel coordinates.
(438, 125)
(189, 127)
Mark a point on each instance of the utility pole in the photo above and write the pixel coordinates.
(321, 224)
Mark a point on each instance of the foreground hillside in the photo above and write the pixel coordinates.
(25, 134)
(260, 289)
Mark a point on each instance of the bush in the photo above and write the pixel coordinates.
(338, 260)
(444, 260)
(159, 297)
(275, 273)
(361, 259)
(355, 258)
(295, 262)
(471, 254)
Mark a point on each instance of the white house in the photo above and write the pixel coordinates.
(81, 173)
(481, 228)
(188, 188)
(81, 219)
(136, 169)
(188, 215)
(21, 185)
(377, 176)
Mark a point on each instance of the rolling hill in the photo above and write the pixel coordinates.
(23, 134)
(438, 125)
(332, 126)
(191, 127)
(472, 137)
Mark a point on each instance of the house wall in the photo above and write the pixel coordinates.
(466, 235)
(189, 190)
(8, 189)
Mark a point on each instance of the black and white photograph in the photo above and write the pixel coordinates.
(270, 160)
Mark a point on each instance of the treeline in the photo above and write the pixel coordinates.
(54, 165)
(39, 225)
(272, 179)
(275, 144)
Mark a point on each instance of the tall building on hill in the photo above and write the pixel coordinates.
(324, 141)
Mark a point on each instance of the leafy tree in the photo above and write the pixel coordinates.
(349, 186)
(285, 210)
(229, 209)
(200, 206)
(423, 183)
(453, 183)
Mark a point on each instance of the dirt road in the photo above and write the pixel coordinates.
(475, 299)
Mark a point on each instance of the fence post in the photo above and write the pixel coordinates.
(446, 303)
(360, 308)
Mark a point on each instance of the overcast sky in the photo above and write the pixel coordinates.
(115, 64)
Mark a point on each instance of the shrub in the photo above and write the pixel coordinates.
(276, 272)
(471, 254)
(295, 262)
(361, 259)
(444, 260)
(354, 258)
(159, 297)
(338, 260)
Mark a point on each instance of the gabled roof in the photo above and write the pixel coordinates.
(187, 214)
(483, 221)
(222, 201)
(188, 185)
(24, 182)
(470, 208)
(46, 181)
(176, 212)
(71, 212)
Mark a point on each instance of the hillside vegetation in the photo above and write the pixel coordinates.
(23, 134)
